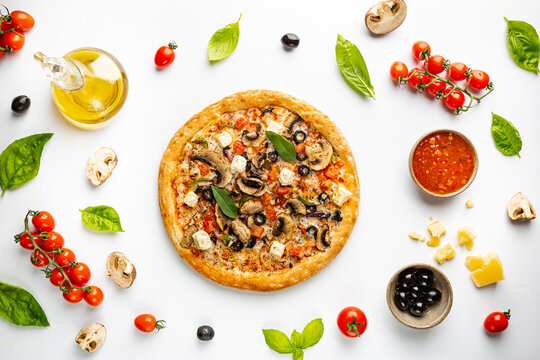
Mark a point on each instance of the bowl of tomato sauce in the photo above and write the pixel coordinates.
(443, 163)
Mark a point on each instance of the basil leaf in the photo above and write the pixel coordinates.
(524, 44)
(101, 218)
(312, 333)
(224, 41)
(19, 162)
(353, 68)
(225, 202)
(295, 338)
(278, 341)
(284, 147)
(298, 354)
(506, 136)
(19, 307)
(201, 141)
(306, 202)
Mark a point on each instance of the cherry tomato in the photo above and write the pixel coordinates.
(94, 297)
(13, 39)
(26, 242)
(352, 321)
(148, 323)
(38, 259)
(80, 273)
(53, 242)
(435, 64)
(6, 25)
(479, 80)
(1, 54)
(43, 221)
(74, 295)
(418, 48)
(165, 55)
(457, 71)
(417, 79)
(57, 278)
(65, 257)
(398, 69)
(455, 99)
(434, 88)
(23, 20)
(497, 322)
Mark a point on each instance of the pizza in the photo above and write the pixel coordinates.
(258, 191)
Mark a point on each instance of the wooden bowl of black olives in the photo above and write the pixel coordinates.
(419, 296)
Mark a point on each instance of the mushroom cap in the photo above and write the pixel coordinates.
(91, 337)
(323, 238)
(187, 238)
(221, 218)
(386, 16)
(283, 227)
(290, 122)
(320, 154)
(241, 230)
(260, 161)
(251, 207)
(121, 269)
(255, 138)
(251, 186)
(99, 166)
(220, 164)
(520, 208)
(296, 206)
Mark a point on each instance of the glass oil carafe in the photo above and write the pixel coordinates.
(89, 85)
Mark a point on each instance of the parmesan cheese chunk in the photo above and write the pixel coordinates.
(275, 127)
(469, 204)
(276, 250)
(286, 177)
(436, 229)
(224, 139)
(191, 199)
(238, 164)
(447, 252)
(466, 236)
(202, 241)
(485, 271)
(342, 195)
(414, 235)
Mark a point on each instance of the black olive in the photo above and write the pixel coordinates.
(290, 40)
(312, 231)
(245, 156)
(423, 277)
(248, 166)
(198, 188)
(416, 294)
(401, 299)
(20, 104)
(417, 308)
(251, 242)
(269, 110)
(301, 156)
(311, 208)
(433, 296)
(325, 215)
(324, 198)
(224, 149)
(273, 156)
(299, 136)
(290, 265)
(406, 276)
(214, 239)
(254, 174)
(304, 170)
(338, 215)
(259, 219)
(266, 143)
(205, 333)
(207, 194)
(237, 246)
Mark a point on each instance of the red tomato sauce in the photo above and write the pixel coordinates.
(443, 163)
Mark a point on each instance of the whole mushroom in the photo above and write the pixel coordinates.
(386, 16)
(120, 269)
(91, 337)
(99, 166)
(520, 208)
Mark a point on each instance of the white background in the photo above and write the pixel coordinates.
(380, 132)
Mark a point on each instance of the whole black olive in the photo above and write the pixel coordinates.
(290, 40)
(237, 246)
(401, 299)
(299, 136)
(304, 170)
(417, 308)
(259, 219)
(423, 277)
(205, 333)
(251, 242)
(433, 296)
(406, 276)
(324, 198)
(312, 231)
(20, 104)
(273, 156)
(338, 215)
(207, 194)
(301, 156)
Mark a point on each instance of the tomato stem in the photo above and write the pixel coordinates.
(507, 314)
(353, 326)
(160, 324)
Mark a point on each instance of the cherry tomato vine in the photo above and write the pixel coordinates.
(12, 28)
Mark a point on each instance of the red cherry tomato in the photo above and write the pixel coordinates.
(479, 80)
(1, 54)
(13, 40)
(165, 55)
(26, 242)
(80, 273)
(455, 99)
(417, 79)
(38, 259)
(43, 221)
(352, 321)
(23, 20)
(398, 69)
(53, 242)
(434, 88)
(148, 323)
(74, 295)
(418, 48)
(497, 322)
(94, 297)
(65, 257)
(457, 71)
(57, 278)
(435, 64)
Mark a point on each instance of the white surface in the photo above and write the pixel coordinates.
(380, 132)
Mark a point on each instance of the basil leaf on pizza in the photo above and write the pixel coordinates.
(224, 41)
(284, 147)
(225, 202)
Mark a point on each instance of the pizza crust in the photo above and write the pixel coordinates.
(240, 101)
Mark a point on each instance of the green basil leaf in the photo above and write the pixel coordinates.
(101, 218)
(506, 136)
(201, 141)
(225, 202)
(224, 41)
(312, 333)
(278, 341)
(19, 307)
(284, 147)
(298, 354)
(295, 338)
(524, 44)
(353, 68)
(19, 162)
(306, 202)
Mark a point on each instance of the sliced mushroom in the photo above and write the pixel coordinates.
(251, 207)
(296, 206)
(221, 218)
(319, 155)
(251, 186)
(218, 162)
(283, 227)
(255, 138)
(241, 230)
(260, 161)
(520, 208)
(99, 166)
(120, 268)
(91, 337)
(290, 122)
(187, 237)
(386, 16)
(323, 238)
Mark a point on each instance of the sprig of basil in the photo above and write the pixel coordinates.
(280, 343)
(225, 202)
(19, 162)
(284, 147)
(353, 68)
(19, 307)
(101, 218)
(506, 136)
(224, 41)
(524, 44)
